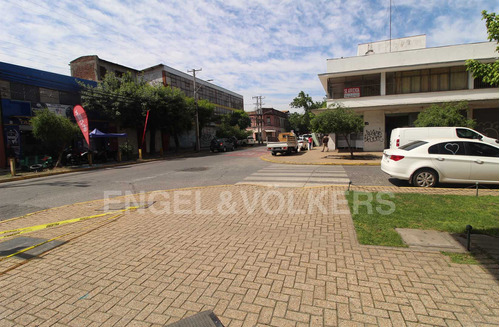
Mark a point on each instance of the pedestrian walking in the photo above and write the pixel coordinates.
(325, 143)
(310, 141)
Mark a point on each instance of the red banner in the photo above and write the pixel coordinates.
(82, 121)
(145, 126)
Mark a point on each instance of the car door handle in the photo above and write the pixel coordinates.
(478, 161)
(439, 159)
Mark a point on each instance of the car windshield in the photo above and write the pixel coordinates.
(412, 145)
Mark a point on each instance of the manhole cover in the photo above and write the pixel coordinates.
(193, 169)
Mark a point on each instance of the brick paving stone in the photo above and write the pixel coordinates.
(151, 268)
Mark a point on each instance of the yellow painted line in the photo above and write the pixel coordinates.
(19, 231)
(117, 197)
(50, 240)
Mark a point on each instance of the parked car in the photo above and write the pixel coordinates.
(402, 136)
(248, 141)
(426, 163)
(221, 144)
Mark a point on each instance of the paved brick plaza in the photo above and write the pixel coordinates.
(258, 263)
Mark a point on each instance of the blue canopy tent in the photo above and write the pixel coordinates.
(97, 133)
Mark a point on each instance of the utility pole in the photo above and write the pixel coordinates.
(259, 120)
(197, 123)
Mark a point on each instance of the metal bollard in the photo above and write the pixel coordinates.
(468, 228)
(477, 189)
(140, 154)
(12, 163)
(349, 187)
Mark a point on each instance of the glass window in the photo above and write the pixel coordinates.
(448, 148)
(481, 150)
(412, 145)
(369, 85)
(427, 80)
(464, 133)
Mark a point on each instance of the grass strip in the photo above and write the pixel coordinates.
(376, 214)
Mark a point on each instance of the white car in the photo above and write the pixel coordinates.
(426, 163)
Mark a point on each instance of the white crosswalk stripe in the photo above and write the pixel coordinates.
(298, 176)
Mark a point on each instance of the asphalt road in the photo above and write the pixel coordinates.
(22, 197)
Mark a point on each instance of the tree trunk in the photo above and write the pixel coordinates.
(152, 140)
(176, 140)
(59, 157)
(346, 137)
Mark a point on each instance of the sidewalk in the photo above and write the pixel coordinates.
(316, 157)
(22, 175)
(240, 251)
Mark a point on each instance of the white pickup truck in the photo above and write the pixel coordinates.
(286, 143)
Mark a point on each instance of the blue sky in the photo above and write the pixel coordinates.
(270, 48)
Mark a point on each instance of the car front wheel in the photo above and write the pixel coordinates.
(425, 178)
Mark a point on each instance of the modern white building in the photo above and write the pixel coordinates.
(390, 82)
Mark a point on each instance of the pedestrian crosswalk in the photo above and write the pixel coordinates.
(298, 176)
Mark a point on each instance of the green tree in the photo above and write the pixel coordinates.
(339, 120)
(488, 72)
(237, 118)
(448, 114)
(304, 101)
(225, 130)
(300, 123)
(55, 132)
(234, 124)
(117, 99)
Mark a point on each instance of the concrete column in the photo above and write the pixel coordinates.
(382, 83)
(470, 80)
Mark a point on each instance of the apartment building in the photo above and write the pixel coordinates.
(94, 68)
(390, 82)
(268, 122)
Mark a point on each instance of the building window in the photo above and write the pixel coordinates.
(102, 72)
(368, 85)
(268, 120)
(479, 84)
(427, 80)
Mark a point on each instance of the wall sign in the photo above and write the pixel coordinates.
(352, 92)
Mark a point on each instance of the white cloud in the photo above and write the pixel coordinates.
(270, 48)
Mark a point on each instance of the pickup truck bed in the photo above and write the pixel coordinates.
(285, 144)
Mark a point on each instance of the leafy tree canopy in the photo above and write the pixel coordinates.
(303, 100)
(487, 72)
(448, 114)
(119, 99)
(55, 132)
(225, 130)
(339, 120)
(237, 118)
(300, 123)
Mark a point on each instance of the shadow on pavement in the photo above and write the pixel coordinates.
(404, 183)
(484, 248)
